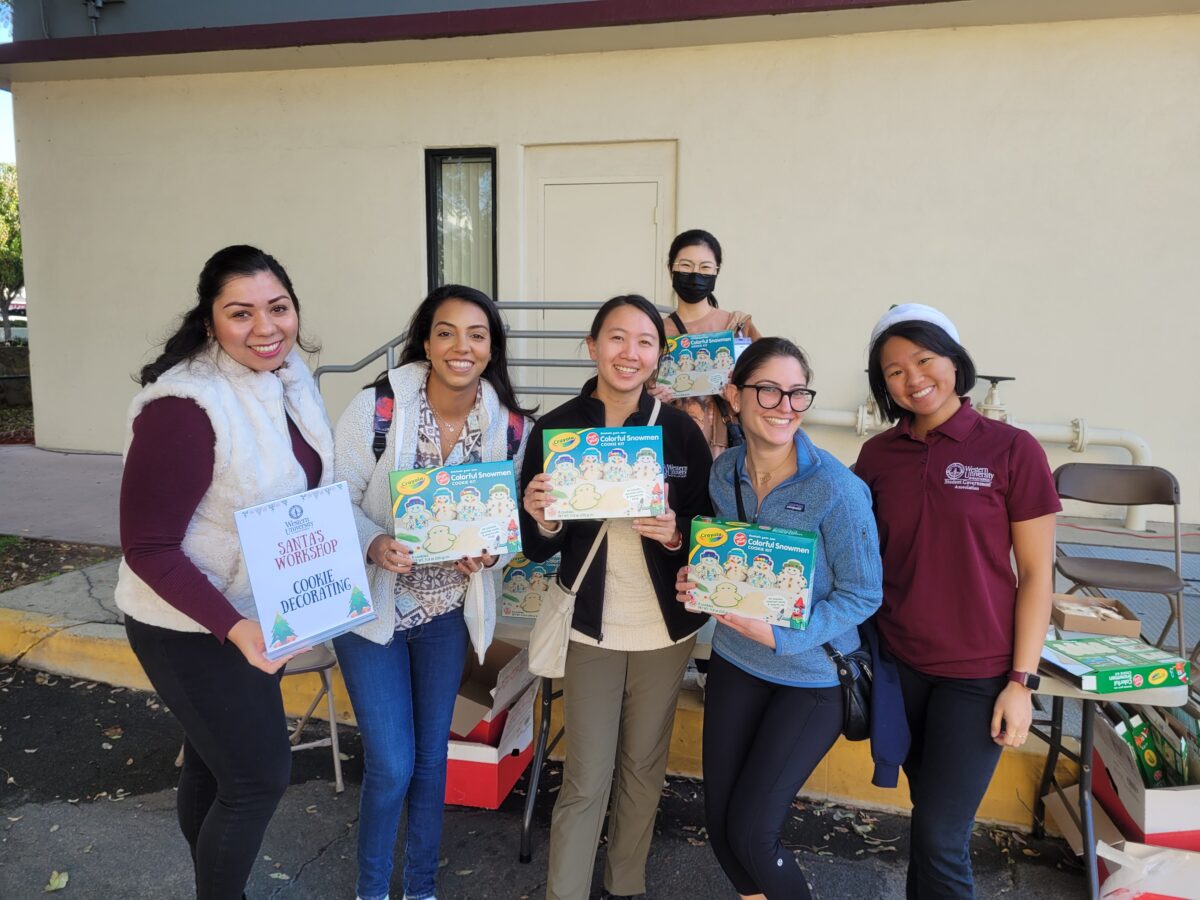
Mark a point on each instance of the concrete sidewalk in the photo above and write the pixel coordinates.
(60, 496)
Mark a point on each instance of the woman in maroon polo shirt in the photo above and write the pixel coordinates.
(954, 494)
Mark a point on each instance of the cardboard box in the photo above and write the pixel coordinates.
(604, 473)
(491, 686)
(752, 571)
(1110, 665)
(1128, 625)
(482, 775)
(448, 512)
(1163, 816)
(525, 584)
(1103, 828)
(697, 365)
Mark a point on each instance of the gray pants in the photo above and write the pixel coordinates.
(617, 705)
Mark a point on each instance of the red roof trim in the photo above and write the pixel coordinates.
(419, 26)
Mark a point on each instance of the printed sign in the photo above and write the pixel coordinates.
(306, 568)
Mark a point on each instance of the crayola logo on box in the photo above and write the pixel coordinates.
(1158, 676)
(711, 537)
(412, 483)
(561, 443)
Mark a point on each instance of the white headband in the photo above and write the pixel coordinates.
(914, 312)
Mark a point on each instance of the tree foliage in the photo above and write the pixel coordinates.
(12, 271)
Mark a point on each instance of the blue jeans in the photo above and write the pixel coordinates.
(949, 766)
(403, 696)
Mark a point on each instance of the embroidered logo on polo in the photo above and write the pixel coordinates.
(968, 478)
(671, 471)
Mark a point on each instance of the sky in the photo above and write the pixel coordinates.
(8, 150)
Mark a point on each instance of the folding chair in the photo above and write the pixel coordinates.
(319, 659)
(1118, 485)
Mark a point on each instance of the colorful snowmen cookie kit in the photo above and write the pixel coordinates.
(450, 512)
(697, 365)
(604, 473)
(525, 585)
(752, 570)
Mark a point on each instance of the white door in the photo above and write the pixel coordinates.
(599, 220)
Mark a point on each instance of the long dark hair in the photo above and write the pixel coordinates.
(695, 237)
(754, 356)
(933, 339)
(638, 302)
(192, 334)
(420, 326)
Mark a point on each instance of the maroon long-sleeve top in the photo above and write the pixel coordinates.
(168, 469)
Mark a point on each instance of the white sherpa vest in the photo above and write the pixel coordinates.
(254, 463)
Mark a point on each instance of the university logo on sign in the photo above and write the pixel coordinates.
(968, 478)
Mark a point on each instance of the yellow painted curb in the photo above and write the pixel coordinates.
(845, 773)
(19, 631)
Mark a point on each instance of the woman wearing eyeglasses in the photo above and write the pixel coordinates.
(695, 260)
(774, 705)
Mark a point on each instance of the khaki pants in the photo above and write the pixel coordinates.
(616, 705)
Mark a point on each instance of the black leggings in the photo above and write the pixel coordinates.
(761, 742)
(236, 758)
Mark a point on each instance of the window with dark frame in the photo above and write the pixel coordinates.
(460, 203)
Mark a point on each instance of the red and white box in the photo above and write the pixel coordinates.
(483, 774)
(1162, 816)
(488, 689)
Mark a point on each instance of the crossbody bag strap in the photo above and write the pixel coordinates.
(737, 492)
(678, 322)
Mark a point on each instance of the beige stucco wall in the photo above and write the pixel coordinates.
(1038, 182)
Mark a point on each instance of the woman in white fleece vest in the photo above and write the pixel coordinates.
(228, 417)
(449, 402)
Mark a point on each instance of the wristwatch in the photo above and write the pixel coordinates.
(1025, 679)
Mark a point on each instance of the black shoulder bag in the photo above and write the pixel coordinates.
(853, 670)
(733, 430)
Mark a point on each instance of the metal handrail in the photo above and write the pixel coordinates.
(389, 349)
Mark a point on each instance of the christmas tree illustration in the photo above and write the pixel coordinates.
(281, 632)
(358, 604)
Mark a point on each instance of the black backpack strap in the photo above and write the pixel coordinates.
(678, 322)
(385, 406)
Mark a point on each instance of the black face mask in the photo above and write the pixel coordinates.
(692, 287)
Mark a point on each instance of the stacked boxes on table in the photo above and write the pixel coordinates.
(491, 732)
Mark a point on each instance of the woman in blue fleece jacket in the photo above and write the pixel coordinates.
(773, 705)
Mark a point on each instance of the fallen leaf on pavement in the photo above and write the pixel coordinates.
(58, 881)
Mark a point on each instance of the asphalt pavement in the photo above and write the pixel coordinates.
(89, 774)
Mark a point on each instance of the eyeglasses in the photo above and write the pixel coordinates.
(770, 396)
(687, 266)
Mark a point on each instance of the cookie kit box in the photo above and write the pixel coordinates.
(697, 365)
(752, 570)
(449, 512)
(1108, 665)
(525, 584)
(604, 473)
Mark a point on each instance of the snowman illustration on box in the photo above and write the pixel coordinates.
(416, 515)
(443, 505)
(470, 507)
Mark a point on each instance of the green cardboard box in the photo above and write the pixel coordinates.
(1110, 665)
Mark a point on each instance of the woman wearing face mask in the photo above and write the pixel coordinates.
(695, 260)
(956, 497)
(450, 402)
(773, 705)
(228, 417)
(630, 640)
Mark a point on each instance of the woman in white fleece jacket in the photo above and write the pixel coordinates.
(450, 402)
